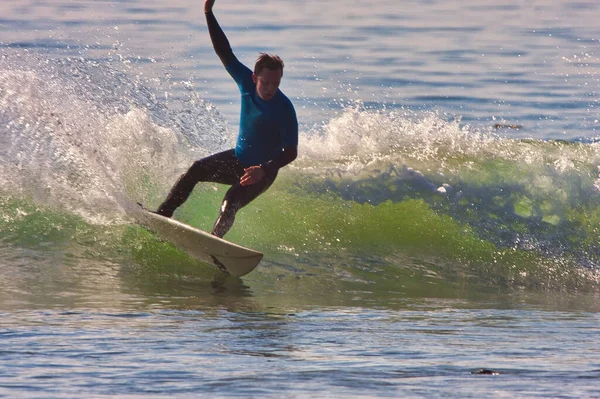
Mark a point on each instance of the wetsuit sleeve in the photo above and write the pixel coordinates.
(289, 134)
(285, 157)
(219, 40)
(238, 71)
(290, 144)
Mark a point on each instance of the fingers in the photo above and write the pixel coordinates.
(248, 179)
(244, 181)
(253, 175)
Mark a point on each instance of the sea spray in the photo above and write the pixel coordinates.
(82, 136)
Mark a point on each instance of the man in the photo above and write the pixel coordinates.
(267, 139)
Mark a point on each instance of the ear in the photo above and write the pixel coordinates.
(254, 78)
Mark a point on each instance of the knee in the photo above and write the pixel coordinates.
(228, 208)
(197, 168)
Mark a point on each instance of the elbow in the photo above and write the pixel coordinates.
(292, 153)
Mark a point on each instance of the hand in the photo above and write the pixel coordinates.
(253, 174)
(208, 5)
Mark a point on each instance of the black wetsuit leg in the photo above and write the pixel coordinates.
(235, 199)
(222, 168)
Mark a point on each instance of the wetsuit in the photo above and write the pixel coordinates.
(268, 137)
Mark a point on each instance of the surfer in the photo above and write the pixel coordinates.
(267, 138)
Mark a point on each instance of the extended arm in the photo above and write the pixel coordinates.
(217, 36)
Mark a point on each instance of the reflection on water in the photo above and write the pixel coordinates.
(134, 331)
(62, 281)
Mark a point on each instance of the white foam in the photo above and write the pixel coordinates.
(83, 137)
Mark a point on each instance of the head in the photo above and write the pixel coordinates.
(267, 75)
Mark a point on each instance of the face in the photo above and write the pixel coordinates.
(267, 82)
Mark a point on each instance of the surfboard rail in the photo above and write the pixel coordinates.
(229, 257)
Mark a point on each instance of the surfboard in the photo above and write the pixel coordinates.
(230, 258)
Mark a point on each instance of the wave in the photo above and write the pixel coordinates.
(376, 196)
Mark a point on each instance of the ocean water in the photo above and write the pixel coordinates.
(437, 236)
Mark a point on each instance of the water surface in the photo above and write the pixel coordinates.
(415, 242)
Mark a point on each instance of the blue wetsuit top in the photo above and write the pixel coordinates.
(266, 127)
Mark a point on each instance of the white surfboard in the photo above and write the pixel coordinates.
(228, 257)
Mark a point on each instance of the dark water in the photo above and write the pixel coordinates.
(412, 244)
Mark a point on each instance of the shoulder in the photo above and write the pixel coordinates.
(285, 103)
(236, 65)
(240, 72)
(287, 114)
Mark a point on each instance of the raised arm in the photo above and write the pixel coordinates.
(217, 36)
